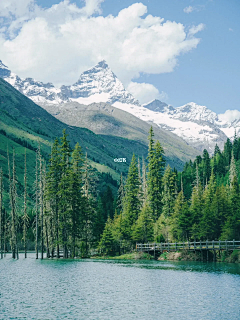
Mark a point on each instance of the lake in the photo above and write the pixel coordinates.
(114, 289)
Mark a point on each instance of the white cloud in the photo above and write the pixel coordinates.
(188, 9)
(195, 29)
(146, 92)
(229, 115)
(196, 8)
(58, 43)
(230, 29)
(15, 7)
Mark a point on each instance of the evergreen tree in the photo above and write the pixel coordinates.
(52, 196)
(231, 229)
(181, 219)
(107, 243)
(76, 200)
(143, 228)
(223, 210)
(88, 213)
(227, 151)
(99, 222)
(156, 164)
(206, 167)
(144, 182)
(169, 192)
(232, 170)
(196, 206)
(209, 210)
(131, 200)
(120, 196)
(63, 192)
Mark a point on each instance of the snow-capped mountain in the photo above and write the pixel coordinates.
(197, 125)
(37, 91)
(98, 84)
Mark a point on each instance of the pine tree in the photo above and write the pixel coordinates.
(120, 195)
(63, 192)
(196, 206)
(168, 198)
(181, 220)
(143, 228)
(88, 213)
(99, 222)
(206, 167)
(107, 243)
(209, 210)
(156, 164)
(131, 200)
(231, 229)
(223, 210)
(76, 196)
(144, 182)
(232, 170)
(52, 196)
(227, 151)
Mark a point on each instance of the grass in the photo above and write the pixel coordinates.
(127, 256)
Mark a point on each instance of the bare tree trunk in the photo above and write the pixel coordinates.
(1, 213)
(41, 202)
(12, 193)
(36, 194)
(25, 216)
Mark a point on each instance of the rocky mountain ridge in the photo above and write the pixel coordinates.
(197, 125)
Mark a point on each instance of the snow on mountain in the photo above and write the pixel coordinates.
(199, 132)
(197, 125)
(99, 84)
(37, 91)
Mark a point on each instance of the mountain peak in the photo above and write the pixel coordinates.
(102, 64)
(4, 71)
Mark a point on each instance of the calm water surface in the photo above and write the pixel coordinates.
(93, 289)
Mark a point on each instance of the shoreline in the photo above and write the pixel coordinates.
(230, 257)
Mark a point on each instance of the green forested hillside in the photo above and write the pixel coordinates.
(106, 120)
(24, 124)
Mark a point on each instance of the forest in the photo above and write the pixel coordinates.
(69, 215)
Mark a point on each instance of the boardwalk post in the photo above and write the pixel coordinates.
(161, 247)
(176, 246)
(214, 253)
(188, 245)
(219, 246)
(168, 246)
(226, 245)
(154, 250)
(233, 244)
(194, 244)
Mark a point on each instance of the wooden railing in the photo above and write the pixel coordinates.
(196, 245)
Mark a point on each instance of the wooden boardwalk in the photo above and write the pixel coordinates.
(200, 245)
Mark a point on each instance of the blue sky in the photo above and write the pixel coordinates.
(203, 67)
